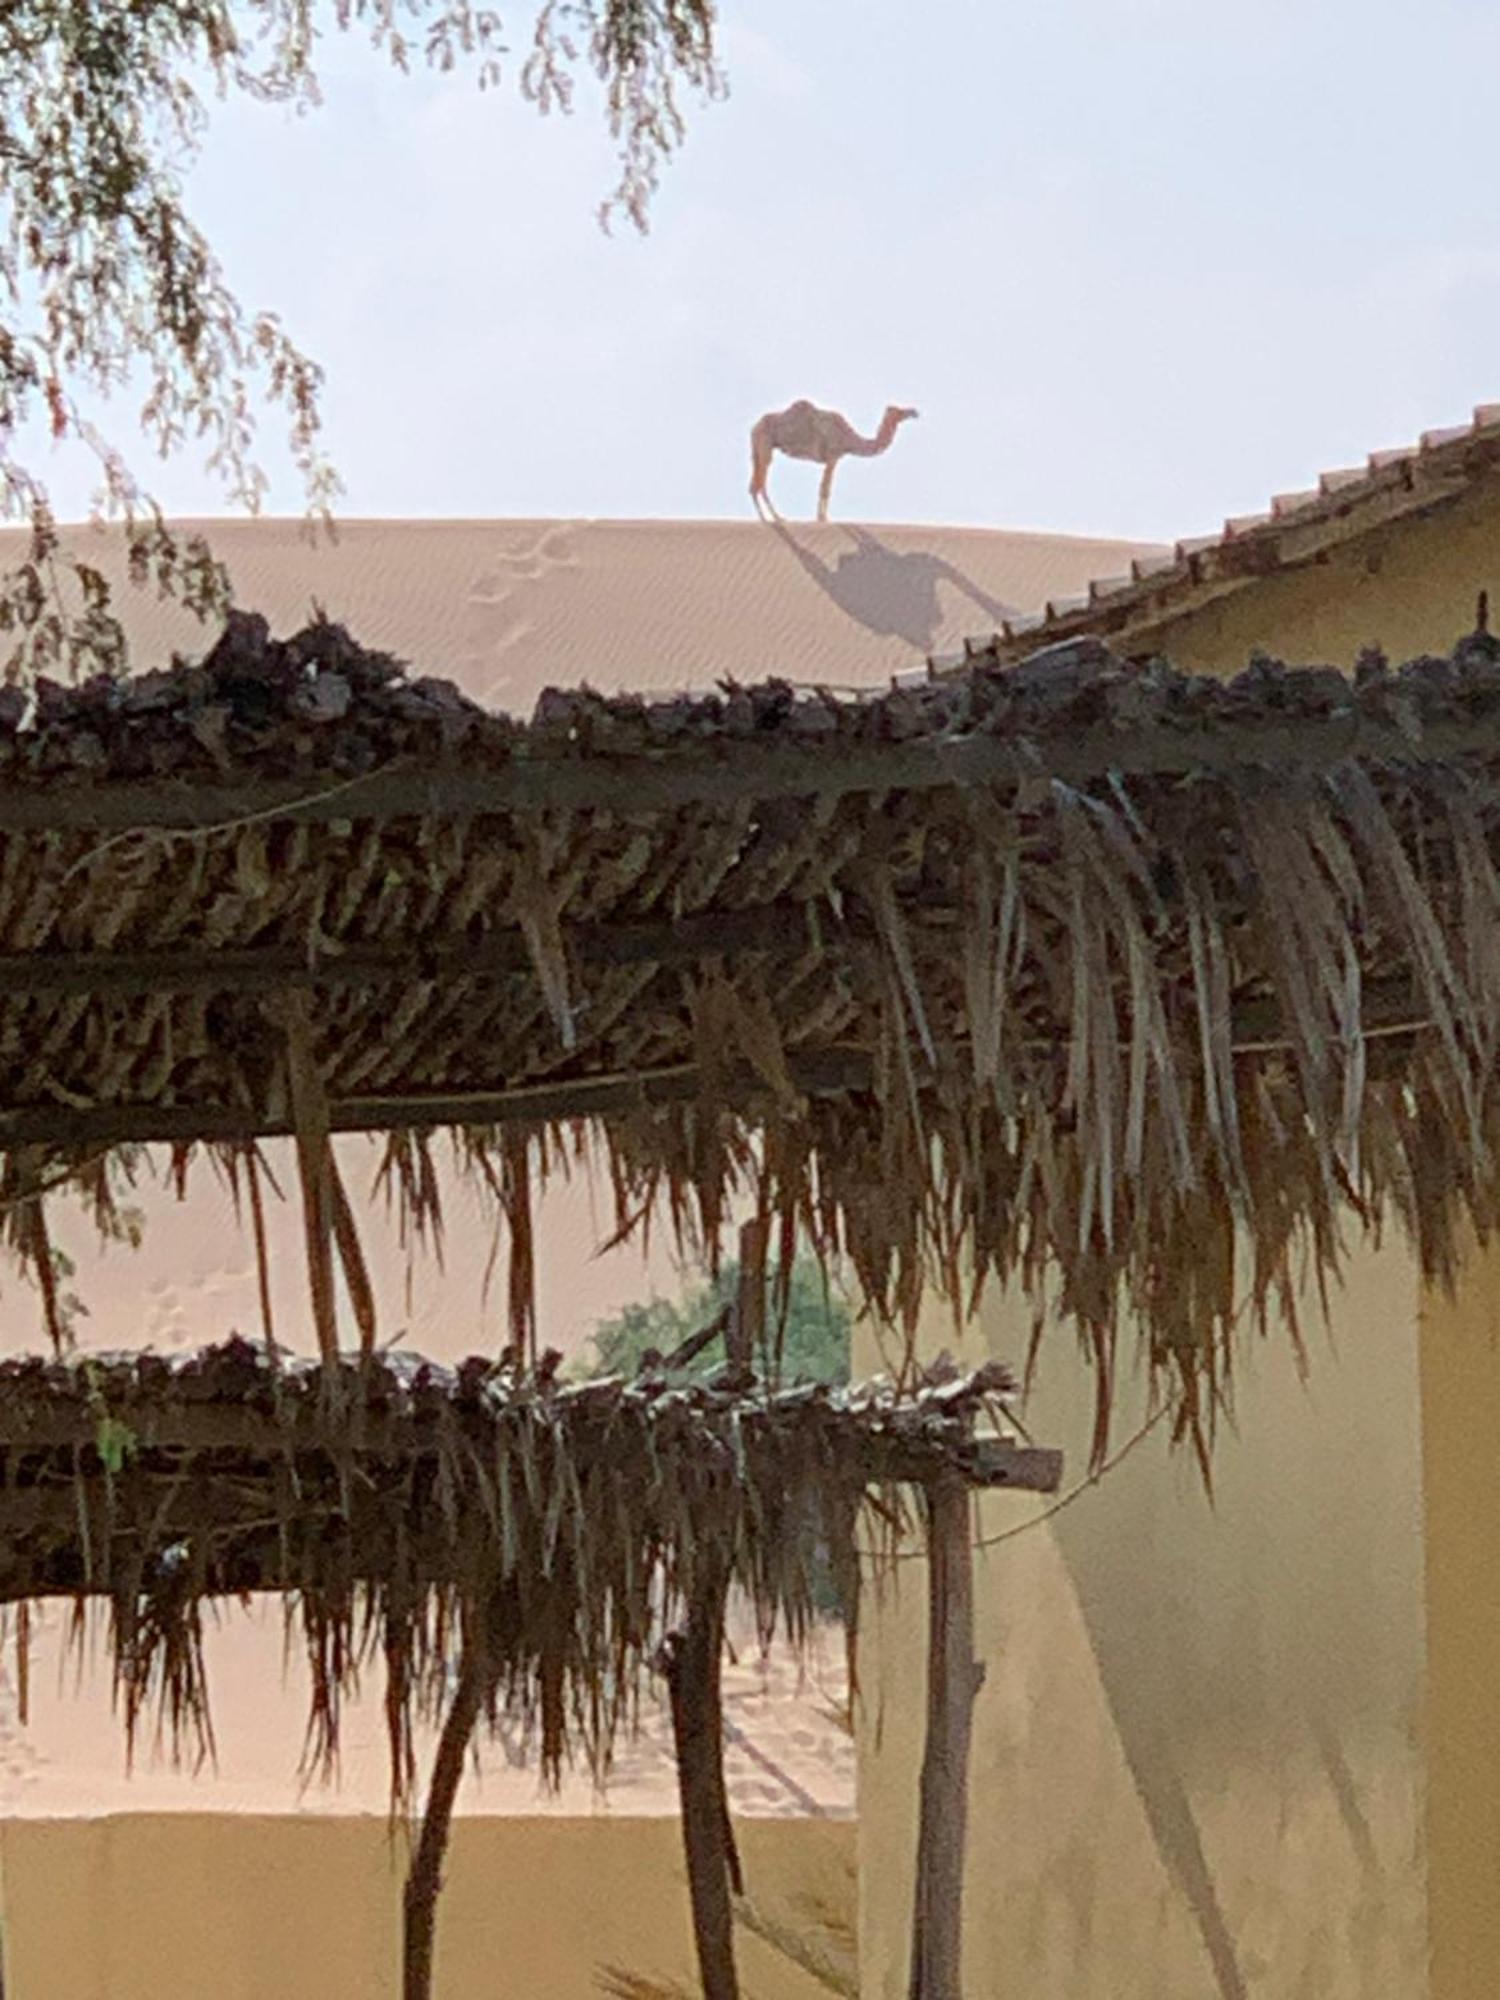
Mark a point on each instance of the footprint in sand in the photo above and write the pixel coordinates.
(553, 550)
(496, 605)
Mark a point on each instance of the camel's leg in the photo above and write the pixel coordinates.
(825, 489)
(760, 466)
(765, 506)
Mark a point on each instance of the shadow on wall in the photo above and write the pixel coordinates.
(1267, 1706)
(892, 594)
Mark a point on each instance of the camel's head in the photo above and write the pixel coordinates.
(894, 414)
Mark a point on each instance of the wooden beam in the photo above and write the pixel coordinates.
(686, 1351)
(826, 1072)
(352, 1259)
(1392, 1006)
(253, 1433)
(953, 1680)
(1028, 1468)
(720, 773)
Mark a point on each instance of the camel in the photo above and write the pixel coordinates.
(802, 430)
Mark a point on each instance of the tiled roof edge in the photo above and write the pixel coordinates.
(1297, 528)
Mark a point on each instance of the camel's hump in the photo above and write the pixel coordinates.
(802, 430)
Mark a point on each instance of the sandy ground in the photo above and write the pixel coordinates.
(505, 608)
(787, 1754)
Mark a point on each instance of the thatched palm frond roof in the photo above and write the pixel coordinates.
(393, 1503)
(1070, 972)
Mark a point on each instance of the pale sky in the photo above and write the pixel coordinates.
(1140, 264)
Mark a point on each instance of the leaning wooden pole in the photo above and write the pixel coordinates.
(953, 1681)
(691, 1661)
(425, 1877)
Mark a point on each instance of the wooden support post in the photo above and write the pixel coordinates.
(953, 1680)
(425, 1877)
(691, 1661)
(745, 1338)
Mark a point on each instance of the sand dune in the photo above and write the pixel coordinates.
(505, 608)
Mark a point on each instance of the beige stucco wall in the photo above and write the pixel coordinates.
(1461, 1406)
(1247, 1748)
(182, 1906)
(1196, 1768)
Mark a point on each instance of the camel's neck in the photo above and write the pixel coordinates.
(872, 447)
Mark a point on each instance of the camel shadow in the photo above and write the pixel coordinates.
(892, 594)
